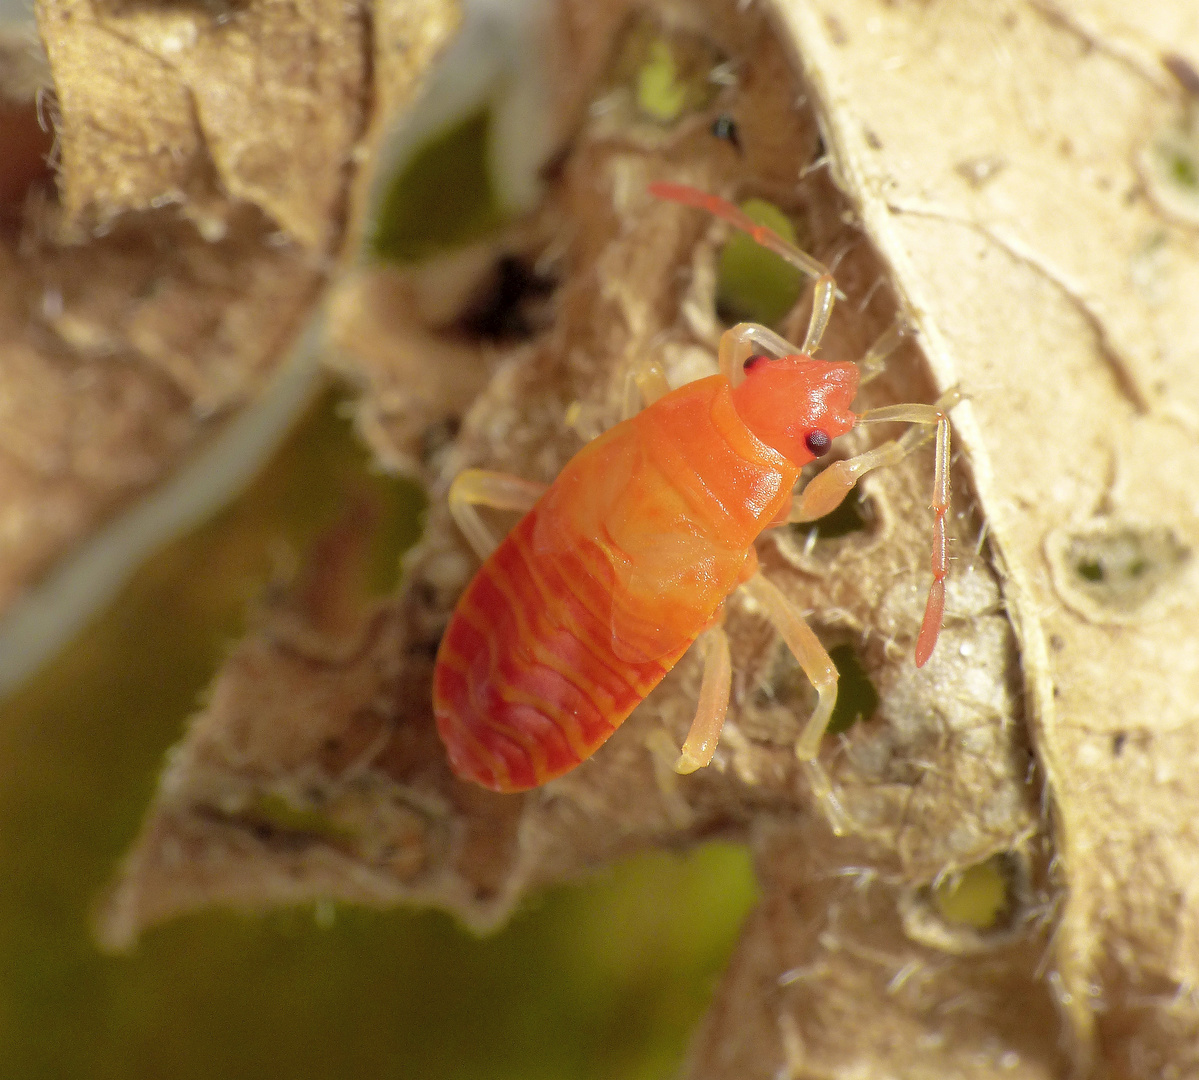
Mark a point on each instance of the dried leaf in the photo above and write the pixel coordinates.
(1062, 299)
(149, 317)
(315, 771)
(199, 105)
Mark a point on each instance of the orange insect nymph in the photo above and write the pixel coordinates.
(629, 556)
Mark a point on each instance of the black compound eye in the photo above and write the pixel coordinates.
(817, 442)
(757, 360)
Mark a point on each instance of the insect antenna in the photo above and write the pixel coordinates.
(761, 234)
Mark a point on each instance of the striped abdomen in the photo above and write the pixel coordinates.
(602, 587)
(527, 683)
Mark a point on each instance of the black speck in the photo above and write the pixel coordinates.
(725, 127)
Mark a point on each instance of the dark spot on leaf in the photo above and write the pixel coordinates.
(511, 306)
(857, 698)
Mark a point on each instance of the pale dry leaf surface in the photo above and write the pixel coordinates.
(998, 153)
(315, 769)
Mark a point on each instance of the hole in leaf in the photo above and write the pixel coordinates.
(787, 688)
(979, 897)
(276, 813)
(511, 306)
(855, 514)
(443, 198)
(857, 699)
(753, 284)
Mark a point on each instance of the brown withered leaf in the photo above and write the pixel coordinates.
(315, 769)
(205, 159)
(202, 104)
(121, 357)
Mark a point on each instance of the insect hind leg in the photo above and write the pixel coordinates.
(713, 703)
(818, 666)
(811, 656)
(499, 491)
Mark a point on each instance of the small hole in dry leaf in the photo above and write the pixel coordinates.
(272, 813)
(854, 514)
(787, 689)
(442, 199)
(1120, 567)
(512, 304)
(972, 910)
(857, 698)
(977, 897)
(752, 283)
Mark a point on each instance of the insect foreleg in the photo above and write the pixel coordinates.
(744, 340)
(499, 491)
(826, 491)
(713, 703)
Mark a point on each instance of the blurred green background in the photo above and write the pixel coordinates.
(601, 979)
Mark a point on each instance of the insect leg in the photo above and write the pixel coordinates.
(823, 495)
(645, 384)
(826, 491)
(499, 491)
(744, 340)
(826, 287)
(713, 703)
(818, 666)
(726, 211)
(875, 361)
(822, 310)
(811, 656)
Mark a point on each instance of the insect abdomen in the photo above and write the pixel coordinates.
(602, 587)
(527, 684)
